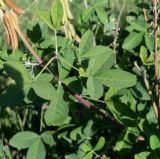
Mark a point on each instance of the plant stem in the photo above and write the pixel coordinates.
(145, 13)
(155, 29)
(85, 4)
(45, 67)
(61, 59)
(56, 42)
(92, 107)
(155, 107)
(117, 26)
(148, 89)
(28, 45)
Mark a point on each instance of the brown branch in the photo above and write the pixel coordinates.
(28, 45)
(24, 39)
(155, 107)
(155, 29)
(92, 107)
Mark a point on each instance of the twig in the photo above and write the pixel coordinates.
(28, 45)
(145, 13)
(117, 26)
(29, 7)
(155, 29)
(45, 67)
(146, 82)
(147, 85)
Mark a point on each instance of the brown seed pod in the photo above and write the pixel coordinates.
(14, 7)
(9, 26)
(7, 36)
(6, 31)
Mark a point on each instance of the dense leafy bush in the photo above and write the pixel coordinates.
(83, 82)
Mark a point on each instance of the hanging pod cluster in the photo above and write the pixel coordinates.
(8, 16)
(68, 27)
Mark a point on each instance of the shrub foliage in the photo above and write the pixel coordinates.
(79, 79)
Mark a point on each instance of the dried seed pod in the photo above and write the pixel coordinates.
(72, 30)
(6, 31)
(14, 17)
(9, 26)
(67, 10)
(7, 36)
(67, 32)
(1, 15)
(14, 7)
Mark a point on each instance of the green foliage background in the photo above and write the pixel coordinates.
(39, 119)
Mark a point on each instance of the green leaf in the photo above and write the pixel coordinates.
(86, 42)
(47, 137)
(117, 78)
(100, 144)
(1, 148)
(23, 139)
(94, 88)
(102, 14)
(13, 95)
(43, 88)
(150, 59)
(87, 14)
(58, 109)
(125, 141)
(122, 112)
(72, 156)
(16, 55)
(142, 155)
(143, 54)
(18, 72)
(101, 60)
(65, 63)
(36, 150)
(132, 41)
(76, 133)
(100, 3)
(57, 14)
(149, 40)
(46, 17)
(88, 156)
(139, 25)
(111, 92)
(88, 130)
(150, 117)
(85, 147)
(140, 92)
(154, 142)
